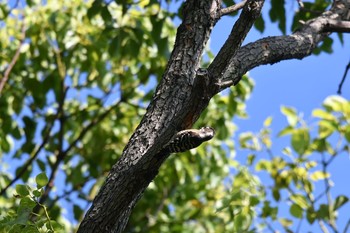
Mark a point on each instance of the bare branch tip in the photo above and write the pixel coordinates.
(233, 8)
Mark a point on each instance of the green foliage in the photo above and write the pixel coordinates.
(278, 14)
(20, 217)
(298, 170)
(86, 72)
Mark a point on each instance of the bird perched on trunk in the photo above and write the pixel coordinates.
(188, 139)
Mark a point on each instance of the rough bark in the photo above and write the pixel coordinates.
(185, 91)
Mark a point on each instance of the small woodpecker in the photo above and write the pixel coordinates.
(189, 139)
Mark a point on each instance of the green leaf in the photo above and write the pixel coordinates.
(25, 208)
(323, 212)
(41, 180)
(94, 9)
(300, 200)
(5, 146)
(37, 193)
(22, 190)
(285, 222)
(336, 103)
(78, 212)
(56, 226)
(300, 140)
(259, 24)
(319, 175)
(240, 221)
(287, 151)
(30, 229)
(263, 165)
(278, 13)
(291, 115)
(326, 46)
(30, 126)
(106, 15)
(41, 164)
(249, 141)
(340, 201)
(25, 175)
(347, 132)
(319, 145)
(269, 211)
(254, 200)
(276, 194)
(268, 121)
(296, 211)
(323, 115)
(250, 159)
(311, 215)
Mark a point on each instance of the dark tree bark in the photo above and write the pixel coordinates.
(185, 91)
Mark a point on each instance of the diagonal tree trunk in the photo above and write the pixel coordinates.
(185, 90)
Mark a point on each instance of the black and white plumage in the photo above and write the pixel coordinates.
(189, 139)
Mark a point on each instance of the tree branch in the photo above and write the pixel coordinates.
(60, 156)
(240, 29)
(337, 26)
(91, 125)
(343, 79)
(63, 153)
(233, 8)
(270, 50)
(36, 152)
(347, 226)
(322, 226)
(327, 184)
(15, 57)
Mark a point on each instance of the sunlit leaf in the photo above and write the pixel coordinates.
(41, 180)
(300, 200)
(296, 211)
(291, 115)
(319, 175)
(22, 190)
(300, 140)
(340, 201)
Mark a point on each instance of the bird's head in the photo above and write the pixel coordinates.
(207, 133)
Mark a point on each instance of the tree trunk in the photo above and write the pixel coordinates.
(185, 91)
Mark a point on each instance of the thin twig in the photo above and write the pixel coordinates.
(299, 226)
(66, 193)
(63, 154)
(347, 226)
(36, 152)
(251, 11)
(328, 194)
(233, 8)
(270, 227)
(300, 3)
(302, 8)
(60, 156)
(14, 59)
(50, 184)
(46, 213)
(343, 79)
(90, 125)
(322, 226)
(10, 11)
